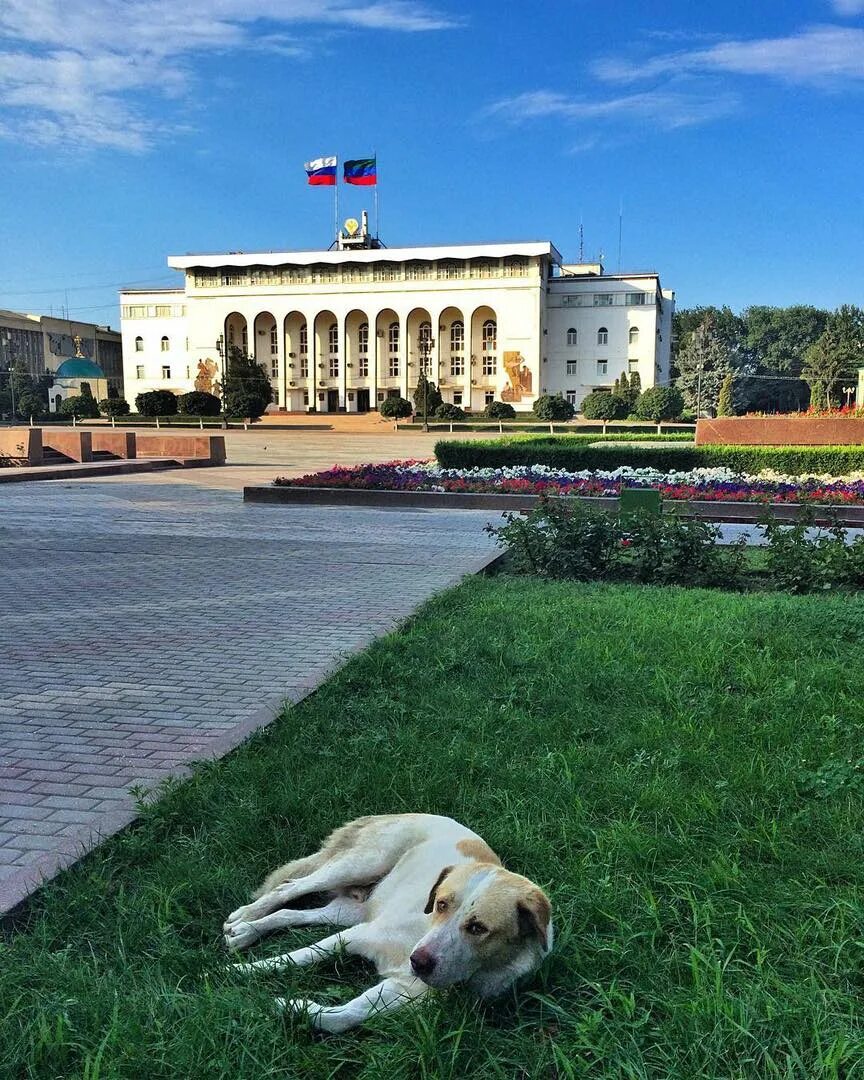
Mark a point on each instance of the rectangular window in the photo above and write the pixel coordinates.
(457, 365)
(447, 271)
(572, 366)
(571, 397)
(188, 376)
(457, 397)
(601, 367)
(363, 366)
(333, 367)
(166, 371)
(490, 364)
(274, 341)
(603, 299)
(573, 300)
(393, 367)
(516, 267)
(489, 397)
(139, 371)
(632, 365)
(163, 311)
(274, 367)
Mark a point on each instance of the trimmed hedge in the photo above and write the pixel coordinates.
(574, 452)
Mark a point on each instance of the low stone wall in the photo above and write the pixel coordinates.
(119, 443)
(20, 446)
(780, 431)
(74, 444)
(209, 448)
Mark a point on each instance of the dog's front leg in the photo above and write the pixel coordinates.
(385, 997)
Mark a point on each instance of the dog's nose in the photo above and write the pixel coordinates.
(422, 963)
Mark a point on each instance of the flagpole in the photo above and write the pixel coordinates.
(336, 206)
(377, 221)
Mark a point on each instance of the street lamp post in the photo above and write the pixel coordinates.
(6, 338)
(424, 349)
(222, 350)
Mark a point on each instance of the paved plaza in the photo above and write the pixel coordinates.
(150, 621)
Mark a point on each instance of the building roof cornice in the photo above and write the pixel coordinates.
(367, 255)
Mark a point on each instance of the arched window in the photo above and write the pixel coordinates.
(333, 348)
(164, 344)
(571, 336)
(363, 338)
(457, 337)
(393, 346)
(490, 359)
(304, 351)
(139, 344)
(602, 336)
(634, 335)
(274, 340)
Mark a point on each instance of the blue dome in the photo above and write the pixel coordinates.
(79, 367)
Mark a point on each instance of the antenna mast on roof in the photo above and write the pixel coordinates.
(581, 241)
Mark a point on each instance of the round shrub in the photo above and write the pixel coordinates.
(601, 405)
(553, 407)
(395, 408)
(29, 403)
(199, 403)
(449, 412)
(82, 406)
(157, 403)
(499, 410)
(114, 406)
(659, 403)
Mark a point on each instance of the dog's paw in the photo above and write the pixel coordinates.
(298, 1007)
(240, 935)
(240, 915)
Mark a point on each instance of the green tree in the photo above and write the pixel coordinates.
(776, 339)
(156, 403)
(426, 388)
(553, 407)
(395, 408)
(601, 405)
(725, 405)
(703, 364)
(30, 391)
(835, 356)
(82, 406)
(114, 406)
(728, 327)
(247, 386)
(659, 403)
(199, 403)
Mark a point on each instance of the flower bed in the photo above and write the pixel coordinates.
(707, 485)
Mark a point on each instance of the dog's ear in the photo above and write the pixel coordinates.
(535, 915)
(430, 903)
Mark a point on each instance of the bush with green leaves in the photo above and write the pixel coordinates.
(395, 408)
(575, 452)
(199, 403)
(659, 403)
(446, 411)
(31, 403)
(248, 390)
(156, 403)
(553, 407)
(568, 538)
(81, 406)
(800, 559)
(499, 410)
(427, 397)
(601, 405)
(114, 406)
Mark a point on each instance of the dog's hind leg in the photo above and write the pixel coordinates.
(343, 911)
(385, 997)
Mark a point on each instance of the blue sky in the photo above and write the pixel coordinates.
(729, 133)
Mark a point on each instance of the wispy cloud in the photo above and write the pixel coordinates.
(667, 109)
(88, 72)
(848, 7)
(819, 55)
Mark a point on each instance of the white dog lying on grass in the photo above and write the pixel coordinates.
(422, 897)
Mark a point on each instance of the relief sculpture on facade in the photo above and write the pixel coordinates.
(204, 380)
(519, 384)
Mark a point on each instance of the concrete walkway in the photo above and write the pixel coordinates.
(147, 622)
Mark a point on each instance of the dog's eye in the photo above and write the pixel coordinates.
(476, 928)
(441, 905)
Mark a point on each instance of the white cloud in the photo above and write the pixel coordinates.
(666, 109)
(83, 72)
(820, 55)
(849, 7)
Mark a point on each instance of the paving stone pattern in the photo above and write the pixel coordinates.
(146, 625)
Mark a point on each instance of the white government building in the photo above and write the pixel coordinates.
(344, 328)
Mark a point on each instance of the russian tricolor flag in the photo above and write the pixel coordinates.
(361, 171)
(321, 171)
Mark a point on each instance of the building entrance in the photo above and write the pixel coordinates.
(363, 401)
(332, 401)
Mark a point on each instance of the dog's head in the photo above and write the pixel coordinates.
(488, 927)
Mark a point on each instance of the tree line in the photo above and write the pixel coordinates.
(766, 359)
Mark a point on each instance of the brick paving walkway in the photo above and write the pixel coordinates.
(144, 625)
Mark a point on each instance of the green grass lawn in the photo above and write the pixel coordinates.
(679, 769)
